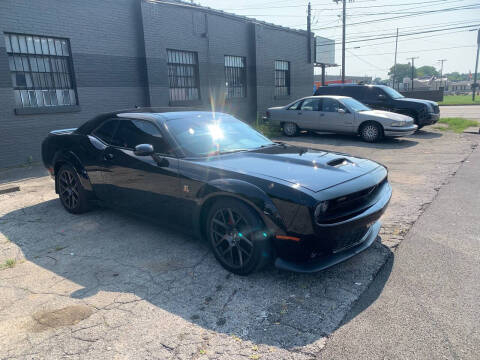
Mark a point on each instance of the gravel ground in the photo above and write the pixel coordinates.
(106, 285)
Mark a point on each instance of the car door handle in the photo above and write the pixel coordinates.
(109, 156)
(322, 114)
(299, 113)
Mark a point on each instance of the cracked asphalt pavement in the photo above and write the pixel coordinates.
(106, 285)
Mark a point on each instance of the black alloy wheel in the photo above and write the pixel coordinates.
(236, 235)
(70, 191)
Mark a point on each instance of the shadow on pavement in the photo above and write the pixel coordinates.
(104, 253)
(349, 140)
(14, 174)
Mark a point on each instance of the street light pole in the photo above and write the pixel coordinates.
(476, 67)
(413, 68)
(395, 63)
(441, 69)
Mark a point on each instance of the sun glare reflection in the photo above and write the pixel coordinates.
(215, 132)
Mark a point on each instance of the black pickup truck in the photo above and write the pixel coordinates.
(381, 97)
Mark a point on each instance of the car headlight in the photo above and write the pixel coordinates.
(321, 209)
(398, 123)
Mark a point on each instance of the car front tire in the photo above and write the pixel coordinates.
(70, 190)
(237, 237)
(371, 132)
(290, 129)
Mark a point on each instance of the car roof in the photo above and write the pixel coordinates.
(327, 96)
(170, 115)
(152, 114)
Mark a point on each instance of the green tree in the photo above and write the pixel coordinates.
(424, 71)
(403, 71)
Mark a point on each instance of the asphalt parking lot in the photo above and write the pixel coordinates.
(105, 285)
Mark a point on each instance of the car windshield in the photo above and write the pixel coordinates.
(394, 94)
(202, 135)
(355, 105)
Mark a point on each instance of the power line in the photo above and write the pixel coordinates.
(408, 34)
(389, 42)
(404, 16)
(415, 51)
(336, 9)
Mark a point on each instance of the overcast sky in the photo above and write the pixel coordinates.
(375, 57)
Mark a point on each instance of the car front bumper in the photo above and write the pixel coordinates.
(400, 131)
(339, 239)
(430, 119)
(327, 261)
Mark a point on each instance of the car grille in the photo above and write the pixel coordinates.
(349, 238)
(348, 206)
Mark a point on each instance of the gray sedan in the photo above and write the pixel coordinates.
(340, 114)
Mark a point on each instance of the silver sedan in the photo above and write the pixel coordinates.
(340, 114)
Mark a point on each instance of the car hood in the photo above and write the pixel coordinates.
(418, 101)
(310, 169)
(384, 115)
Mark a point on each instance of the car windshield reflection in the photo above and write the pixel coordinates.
(203, 135)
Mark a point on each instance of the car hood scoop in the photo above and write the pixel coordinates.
(311, 169)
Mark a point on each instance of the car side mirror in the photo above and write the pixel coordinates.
(341, 111)
(143, 150)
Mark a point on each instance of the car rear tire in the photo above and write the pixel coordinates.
(371, 132)
(290, 129)
(71, 192)
(237, 237)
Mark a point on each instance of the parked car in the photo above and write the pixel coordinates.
(254, 200)
(381, 97)
(340, 114)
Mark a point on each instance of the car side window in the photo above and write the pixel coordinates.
(311, 105)
(331, 105)
(131, 133)
(106, 131)
(380, 94)
(355, 92)
(295, 105)
(373, 94)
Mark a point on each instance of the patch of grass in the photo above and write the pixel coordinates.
(457, 124)
(8, 264)
(202, 352)
(267, 129)
(459, 100)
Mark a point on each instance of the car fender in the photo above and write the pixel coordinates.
(246, 192)
(69, 157)
(360, 123)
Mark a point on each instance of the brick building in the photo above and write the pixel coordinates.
(64, 61)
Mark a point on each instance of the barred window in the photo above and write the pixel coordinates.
(40, 68)
(183, 75)
(282, 78)
(235, 76)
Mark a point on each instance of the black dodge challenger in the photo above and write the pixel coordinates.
(254, 200)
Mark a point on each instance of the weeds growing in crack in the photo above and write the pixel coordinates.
(8, 264)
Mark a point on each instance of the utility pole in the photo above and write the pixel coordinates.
(441, 70)
(344, 26)
(476, 67)
(395, 62)
(343, 38)
(309, 32)
(413, 68)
